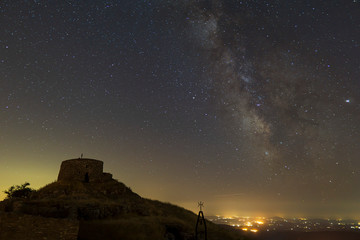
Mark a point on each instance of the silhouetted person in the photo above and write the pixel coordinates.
(200, 230)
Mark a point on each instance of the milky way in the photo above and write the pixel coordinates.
(250, 106)
(283, 76)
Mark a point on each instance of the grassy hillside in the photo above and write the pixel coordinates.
(152, 227)
(110, 210)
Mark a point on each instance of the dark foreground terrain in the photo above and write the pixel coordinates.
(309, 236)
(99, 211)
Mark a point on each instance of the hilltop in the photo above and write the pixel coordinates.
(99, 210)
(110, 210)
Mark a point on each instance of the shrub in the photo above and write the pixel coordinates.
(19, 191)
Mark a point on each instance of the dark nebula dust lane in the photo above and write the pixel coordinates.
(252, 106)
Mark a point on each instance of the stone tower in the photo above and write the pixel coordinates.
(84, 170)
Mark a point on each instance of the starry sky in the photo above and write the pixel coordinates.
(250, 106)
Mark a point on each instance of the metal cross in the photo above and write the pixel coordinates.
(201, 205)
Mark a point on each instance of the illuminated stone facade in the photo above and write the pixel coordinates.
(84, 170)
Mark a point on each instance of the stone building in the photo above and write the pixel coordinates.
(84, 170)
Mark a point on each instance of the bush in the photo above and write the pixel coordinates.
(19, 191)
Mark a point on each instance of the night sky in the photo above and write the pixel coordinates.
(250, 106)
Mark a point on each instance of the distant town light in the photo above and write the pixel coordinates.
(249, 224)
(295, 224)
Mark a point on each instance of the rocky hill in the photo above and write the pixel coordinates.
(99, 210)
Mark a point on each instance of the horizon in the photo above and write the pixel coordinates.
(250, 106)
(226, 212)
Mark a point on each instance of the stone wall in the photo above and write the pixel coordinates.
(107, 177)
(81, 169)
